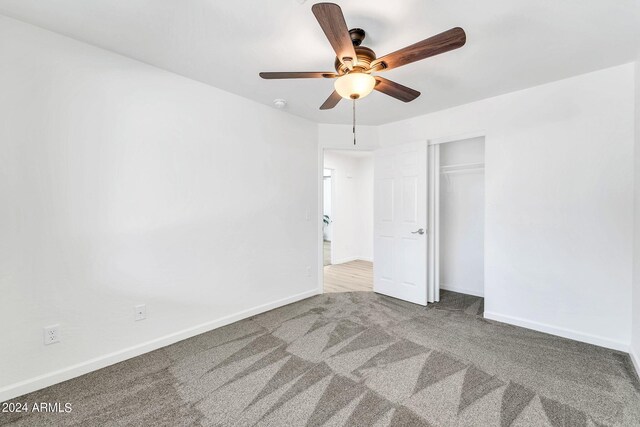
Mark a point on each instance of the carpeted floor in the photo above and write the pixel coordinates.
(357, 359)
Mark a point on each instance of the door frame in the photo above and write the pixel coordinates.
(433, 222)
(320, 189)
(332, 209)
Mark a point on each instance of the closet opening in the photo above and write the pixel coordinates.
(457, 205)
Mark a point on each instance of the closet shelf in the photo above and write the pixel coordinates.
(462, 167)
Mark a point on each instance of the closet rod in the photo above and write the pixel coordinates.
(462, 167)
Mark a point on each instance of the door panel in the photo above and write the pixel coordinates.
(385, 265)
(386, 194)
(409, 199)
(400, 210)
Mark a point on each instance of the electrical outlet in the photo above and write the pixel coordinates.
(140, 312)
(51, 334)
(308, 271)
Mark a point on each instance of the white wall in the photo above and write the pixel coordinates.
(559, 201)
(125, 184)
(635, 340)
(352, 208)
(462, 218)
(340, 137)
(365, 224)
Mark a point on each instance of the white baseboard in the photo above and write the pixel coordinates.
(349, 259)
(561, 332)
(27, 386)
(461, 290)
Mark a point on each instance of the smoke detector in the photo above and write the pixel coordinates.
(279, 103)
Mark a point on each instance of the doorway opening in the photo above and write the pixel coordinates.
(457, 218)
(347, 232)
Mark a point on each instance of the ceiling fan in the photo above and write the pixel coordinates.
(355, 64)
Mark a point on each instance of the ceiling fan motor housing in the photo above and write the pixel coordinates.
(364, 55)
(357, 36)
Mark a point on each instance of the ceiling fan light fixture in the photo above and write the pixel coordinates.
(355, 85)
(354, 63)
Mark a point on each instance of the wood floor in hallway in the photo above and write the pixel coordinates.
(327, 252)
(349, 277)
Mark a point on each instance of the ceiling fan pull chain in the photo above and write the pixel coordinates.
(354, 121)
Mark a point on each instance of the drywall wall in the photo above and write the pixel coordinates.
(559, 201)
(365, 191)
(123, 184)
(340, 137)
(635, 340)
(352, 205)
(462, 217)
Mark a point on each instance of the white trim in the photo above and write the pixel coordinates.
(561, 332)
(332, 252)
(27, 386)
(349, 259)
(462, 290)
(635, 360)
(320, 246)
(433, 215)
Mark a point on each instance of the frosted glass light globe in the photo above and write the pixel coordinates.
(354, 85)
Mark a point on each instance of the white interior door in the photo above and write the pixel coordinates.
(400, 222)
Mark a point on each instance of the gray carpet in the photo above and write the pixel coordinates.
(357, 359)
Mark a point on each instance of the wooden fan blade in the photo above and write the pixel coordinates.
(295, 75)
(396, 90)
(440, 43)
(331, 19)
(331, 101)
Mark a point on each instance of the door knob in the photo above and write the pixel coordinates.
(418, 231)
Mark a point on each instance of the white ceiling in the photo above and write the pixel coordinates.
(511, 44)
